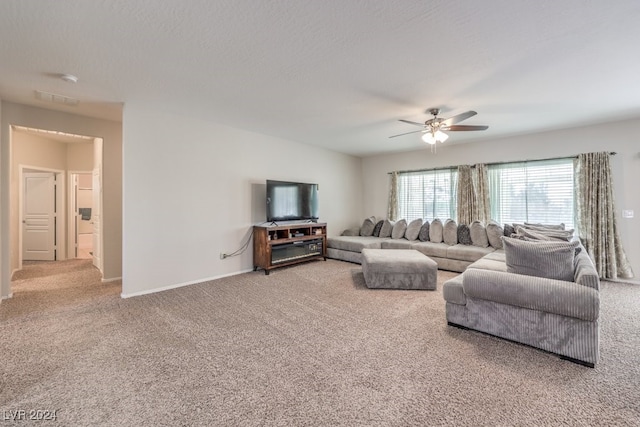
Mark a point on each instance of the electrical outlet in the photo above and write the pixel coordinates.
(627, 214)
(223, 255)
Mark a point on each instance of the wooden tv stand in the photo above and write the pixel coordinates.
(281, 245)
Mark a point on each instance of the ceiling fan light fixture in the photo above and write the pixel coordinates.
(434, 137)
(429, 138)
(441, 136)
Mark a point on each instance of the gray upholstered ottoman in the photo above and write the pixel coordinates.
(398, 269)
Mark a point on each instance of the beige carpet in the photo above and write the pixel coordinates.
(307, 345)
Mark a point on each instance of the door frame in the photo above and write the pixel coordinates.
(60, 200)
(72, 232)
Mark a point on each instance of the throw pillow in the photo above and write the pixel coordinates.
(494, 234)
(387, 228)
(509, 230)
(377, 228)
(413, 229)
(435, 231)
(351, 232)
(450, 232)
(424, 232)
(399, 229)
(366, 229)
(549, 226)
(543, 234)
(553, 260)
(464, 234)
(551, 232)
(479, 234)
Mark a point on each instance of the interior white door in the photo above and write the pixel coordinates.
(38, 217)
(96, 218)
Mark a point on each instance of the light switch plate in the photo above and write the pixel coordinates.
(627, 214)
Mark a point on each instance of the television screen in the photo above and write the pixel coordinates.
(288, 201)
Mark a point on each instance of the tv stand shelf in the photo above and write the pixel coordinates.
(281, 245)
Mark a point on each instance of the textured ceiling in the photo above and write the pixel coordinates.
(332, 73)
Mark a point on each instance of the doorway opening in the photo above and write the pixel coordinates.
(63, 224)
(81, 222)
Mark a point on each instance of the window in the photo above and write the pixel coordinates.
(538, 191)
(427, 194)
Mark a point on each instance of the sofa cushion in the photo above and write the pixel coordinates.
(399, 229)
(424, 232)
(396, 244)
(366, 229)
(413, 229)
(494, 234)
(467, 253)
(464, 234)
(479, 234)
(450, 232)
(377, 228)
(497, 255)
(552, 260)
(354, 243)
(387, 228)
(535, 293)
(431, 249)
(436, 231)
(486, 263)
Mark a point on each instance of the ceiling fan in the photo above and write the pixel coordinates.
(433, 128)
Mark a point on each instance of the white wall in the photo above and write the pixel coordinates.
(5, 178)
(194, 189)
(80, 156)
(621, 137)
(23, 115)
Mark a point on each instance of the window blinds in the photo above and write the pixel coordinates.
(427, 194)
(537, 191)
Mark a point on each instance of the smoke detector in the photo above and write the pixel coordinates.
(69, 78)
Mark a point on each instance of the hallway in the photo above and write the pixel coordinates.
(53, 285)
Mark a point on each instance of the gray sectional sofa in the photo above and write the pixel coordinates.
(451, 246)
(531, 294)
(527, 283)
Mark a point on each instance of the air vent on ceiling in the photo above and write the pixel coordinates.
(56, 99)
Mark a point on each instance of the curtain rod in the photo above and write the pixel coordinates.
(611, 153)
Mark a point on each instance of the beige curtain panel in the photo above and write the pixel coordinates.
(473, 194)
(467, 207)
(596, 216)
(393, 197)
(482, 192)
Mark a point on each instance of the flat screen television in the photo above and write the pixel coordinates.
(290, 201)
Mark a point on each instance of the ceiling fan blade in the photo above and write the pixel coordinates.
(458, 118)
(465, 127)
(415, 131)
(412, 123)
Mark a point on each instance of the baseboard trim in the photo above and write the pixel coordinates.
(180, 285)
(113, 279)
(8, 296)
